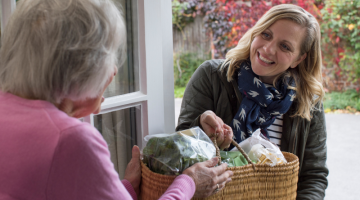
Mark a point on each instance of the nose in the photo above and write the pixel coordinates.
(270, 47)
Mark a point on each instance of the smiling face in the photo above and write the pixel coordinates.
(276, 49)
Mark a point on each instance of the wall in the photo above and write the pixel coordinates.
(193, 38)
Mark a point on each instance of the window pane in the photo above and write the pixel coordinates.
(126, 80)
(119, 130)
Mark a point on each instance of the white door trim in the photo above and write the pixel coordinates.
(159, 62)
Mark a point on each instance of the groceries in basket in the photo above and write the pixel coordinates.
(262, 151)
(171, 154)
(263, 181)
(233, 158)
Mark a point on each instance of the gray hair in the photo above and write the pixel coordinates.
(56, 49)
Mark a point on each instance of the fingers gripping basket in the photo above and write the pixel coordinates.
(259, 181)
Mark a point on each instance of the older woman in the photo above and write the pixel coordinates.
(271, 80)
(57, 58)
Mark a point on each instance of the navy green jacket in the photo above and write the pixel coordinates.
(208, 89)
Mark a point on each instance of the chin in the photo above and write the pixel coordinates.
(257, 70)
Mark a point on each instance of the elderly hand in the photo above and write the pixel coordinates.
(208, 178)
(133, 170)
(214, 126)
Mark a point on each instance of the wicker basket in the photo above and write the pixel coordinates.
(248, 182)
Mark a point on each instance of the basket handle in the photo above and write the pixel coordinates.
(233, 142)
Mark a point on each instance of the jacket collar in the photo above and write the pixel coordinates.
(232, 87)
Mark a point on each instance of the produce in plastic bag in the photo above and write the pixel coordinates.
(233, 158)
(262, 151)
(171, 154)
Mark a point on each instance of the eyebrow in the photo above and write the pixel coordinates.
(291, 46)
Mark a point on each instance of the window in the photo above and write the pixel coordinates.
(127, 79)
(140, 100)
(7, 7)
(120, 131)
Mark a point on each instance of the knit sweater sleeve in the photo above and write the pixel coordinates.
(129, 188)
(183, 187)
(81, 168)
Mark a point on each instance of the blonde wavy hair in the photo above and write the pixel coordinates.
(307, 75)
(56, 49)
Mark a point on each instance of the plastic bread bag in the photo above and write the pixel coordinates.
(171, 154)
(262, 151)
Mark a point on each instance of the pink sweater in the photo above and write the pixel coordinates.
(45, 154)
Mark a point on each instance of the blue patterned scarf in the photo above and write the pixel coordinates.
(260, 104)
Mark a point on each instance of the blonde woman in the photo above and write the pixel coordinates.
(271, 80)
(57, 58)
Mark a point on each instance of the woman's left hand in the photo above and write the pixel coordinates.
(133, 170)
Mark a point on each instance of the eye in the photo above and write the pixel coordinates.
(265, 35)
(284, 46)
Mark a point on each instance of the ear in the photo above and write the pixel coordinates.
(298, 61)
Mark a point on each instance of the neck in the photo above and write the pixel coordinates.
(268, 80)
(67, 106)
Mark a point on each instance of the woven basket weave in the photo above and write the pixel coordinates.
(263, 182)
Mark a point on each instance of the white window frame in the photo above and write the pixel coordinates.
(154, 56)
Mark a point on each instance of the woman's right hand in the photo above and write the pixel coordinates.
(214, 126)
(208, 178)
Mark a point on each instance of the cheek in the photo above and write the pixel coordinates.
(252, 50)
(285, 60)
(97, 107)
(96, 104)
(255, 45)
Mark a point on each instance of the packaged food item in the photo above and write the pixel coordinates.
(233, 158)
(260, 155)
(171, 154)
(262, 151)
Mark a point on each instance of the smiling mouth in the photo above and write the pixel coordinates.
(265, 60)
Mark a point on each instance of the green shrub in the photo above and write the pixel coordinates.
(179, 92)
(185, 65)
(349, 100)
